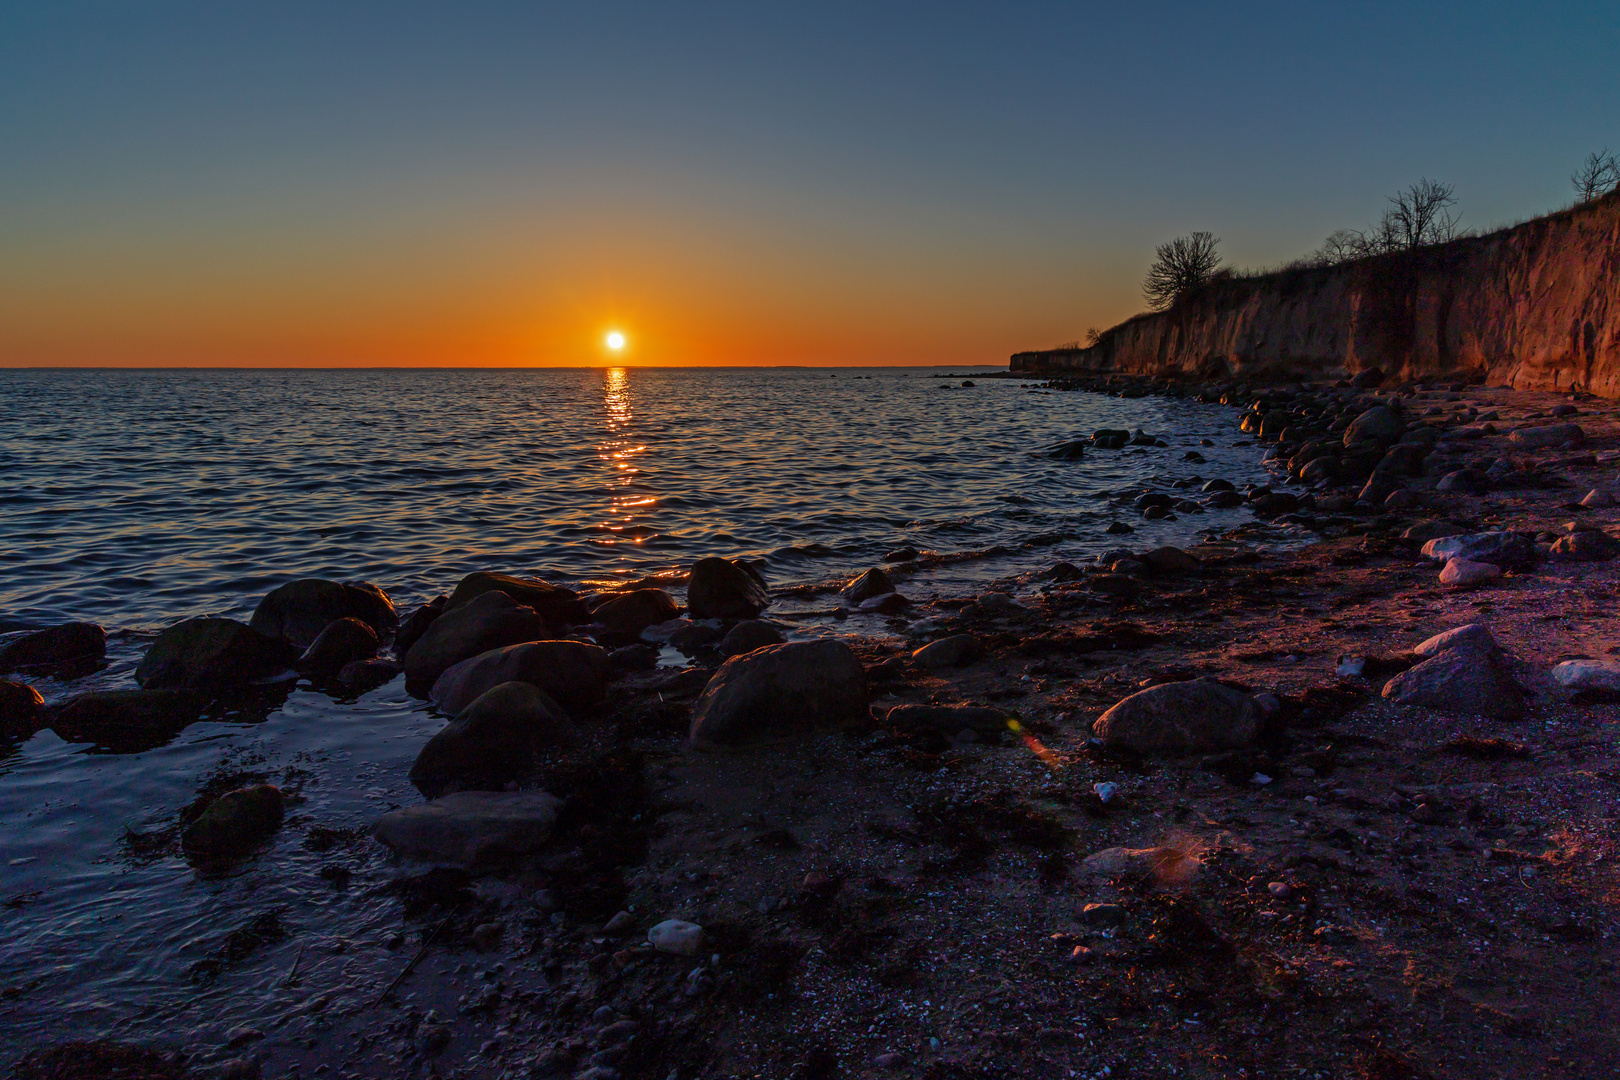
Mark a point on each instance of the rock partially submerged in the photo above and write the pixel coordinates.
(298, 611)
(781, 690)
(19, 707)
(725, 589)
(470, 828)
(235, 823)
(212, 653)
(342, 642)
(54, 647)
(1193, 717)
(491, 742)
(128, 721)
(490, 620)
(872, 583)
(554, 603)
(630, 613)
(574, 673)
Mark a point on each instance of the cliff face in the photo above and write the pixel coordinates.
(1536, 306)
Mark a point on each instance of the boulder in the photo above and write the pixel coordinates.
(19, 707)
(1597, 499)
(53, 647)
(490, 742)
(412, 629)
(211, 652)
(905, 554)
(633, 658)
(1459, 681)
(1536, 438)
(1276, 502)
(1224, 500)
(342, 642)
(630, 613)
(676, 937)
(1463, 574)
(1197, 716)
(128, 721)
(574, 673)
(555, 604)
(1404, 459)
(1379, 424)
(1473, 636)
(1509, 550)
(234, 824)
(780, 690)
(948, 719)
(886, 604)
(1161, 865)
(1578, 675)
(490, 620)
(953, 651)
(298, 611)
(748, 635)
(358, 676)
(872, 583)
(1585, 545)
(470, 828)
(725, 589)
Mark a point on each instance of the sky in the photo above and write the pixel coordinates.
(504, 184)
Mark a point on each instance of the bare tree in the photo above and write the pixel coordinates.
(1419, 216)
(1181, 266)
(1093, 335)
(1598, 176)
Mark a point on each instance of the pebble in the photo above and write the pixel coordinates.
(1280, 889)
(622, 923)
(1100, 914)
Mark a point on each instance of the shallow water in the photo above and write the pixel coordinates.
(137, 498)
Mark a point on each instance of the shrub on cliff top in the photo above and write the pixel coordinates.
(1597, 177)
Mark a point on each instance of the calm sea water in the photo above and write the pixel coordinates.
(138, 498)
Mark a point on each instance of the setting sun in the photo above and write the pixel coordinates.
(615, 340)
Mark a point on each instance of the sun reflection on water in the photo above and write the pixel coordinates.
(619, 450)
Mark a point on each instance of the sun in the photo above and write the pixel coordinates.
(615, 340)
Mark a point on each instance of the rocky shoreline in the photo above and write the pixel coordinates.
(1347, 810)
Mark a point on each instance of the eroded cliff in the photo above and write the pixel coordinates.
(1535, 306)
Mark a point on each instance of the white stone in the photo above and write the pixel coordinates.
(677, 937)
(1472, 636)
(1588, 675)
(1463, 574)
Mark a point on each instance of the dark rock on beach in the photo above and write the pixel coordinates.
(630, 613)
(948, 719)
(298, 611)
(128, 721)
(872, 583)
(781, 690)
(412, 629)
(471, 828)
(1199, 716)
(748, 635)
(952, 651)
(19, 707)
(342, 642)
(54, 647)
(212, 653)
(490, 742)
(1465, 680)
(574, 673)
(556, 604)
(725, 589)
(490, 620)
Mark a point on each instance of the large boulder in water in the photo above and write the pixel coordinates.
(298, 611)
(872, 583)
(54, 647)
(128, 721)
(628, 614)
(235, 823)
(557, 605)
(572, 672)
(488, 621)
(19, 708)
(471, 828)
(490, 742)
(412, 629)
(1194, 717)
(780, 690)
(725, 589)
(212, 653)
(342, 642)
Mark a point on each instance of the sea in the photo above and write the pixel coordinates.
(138, 498)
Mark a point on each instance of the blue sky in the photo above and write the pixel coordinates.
(494, 183)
